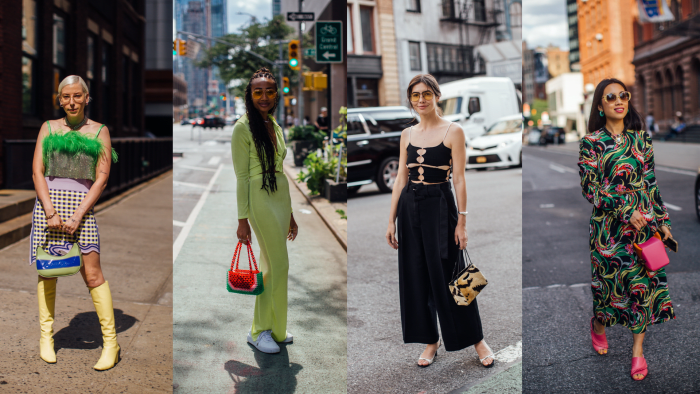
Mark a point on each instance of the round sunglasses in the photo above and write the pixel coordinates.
(427, 95)
(269, 93)
(624, 96)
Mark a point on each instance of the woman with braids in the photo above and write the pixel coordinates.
(617, 176)
(262, 192)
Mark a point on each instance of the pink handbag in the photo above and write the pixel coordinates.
(652, 253)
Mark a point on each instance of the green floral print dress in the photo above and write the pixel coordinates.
(617, 177)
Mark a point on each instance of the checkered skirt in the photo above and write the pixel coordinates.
(56, 241)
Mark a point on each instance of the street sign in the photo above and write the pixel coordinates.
(300, 16)
(329, 42)
(310, 52)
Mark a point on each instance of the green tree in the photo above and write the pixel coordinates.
(235, 64)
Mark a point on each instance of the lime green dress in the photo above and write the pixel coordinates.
(269, 216)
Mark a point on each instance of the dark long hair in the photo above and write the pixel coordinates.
(263, 143)
(633, 120)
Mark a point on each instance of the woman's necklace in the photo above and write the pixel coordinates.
(77, 126)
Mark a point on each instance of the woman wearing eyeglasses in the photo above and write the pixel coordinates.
(72, 160)
(263, 200)
(616, 165)
(432, 229)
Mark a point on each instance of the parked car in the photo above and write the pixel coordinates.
(501, 146)
(374, 143)
(533, 136)
(476, 103)
(186, 122)
(553, 135)
(210, 122)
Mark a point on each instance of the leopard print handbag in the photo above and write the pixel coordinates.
(468, 283)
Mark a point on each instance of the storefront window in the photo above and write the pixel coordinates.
(29, 53)
(59, 41)
(367, 30)
(367, 92)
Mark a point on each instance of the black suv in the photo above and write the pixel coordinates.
(374, 143)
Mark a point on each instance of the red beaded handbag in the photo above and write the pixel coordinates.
(244, 281)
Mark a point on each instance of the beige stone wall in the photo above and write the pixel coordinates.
(389, 83)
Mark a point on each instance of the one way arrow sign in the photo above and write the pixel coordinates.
(300, 16)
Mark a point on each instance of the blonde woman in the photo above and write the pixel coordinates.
(71, 166)
(432, 230)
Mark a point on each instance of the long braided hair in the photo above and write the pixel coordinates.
(263, 143)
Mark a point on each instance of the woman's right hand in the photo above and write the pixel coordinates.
(243, 231)
(637, 220)
(391, 236)
(55, 222)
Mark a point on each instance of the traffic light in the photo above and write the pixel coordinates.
(285, 85)
(175, 47)
(294, 55)
(223, 96)
(183, 48)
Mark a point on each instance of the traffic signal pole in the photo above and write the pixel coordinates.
(281, 114)
(300, 98)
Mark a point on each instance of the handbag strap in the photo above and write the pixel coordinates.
(466, 258)
(237, 257)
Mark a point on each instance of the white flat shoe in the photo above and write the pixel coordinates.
(265, 343)
(289, 339)
(430, 361)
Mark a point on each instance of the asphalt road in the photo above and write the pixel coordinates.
(378, 360)
(557, 301)
(210, 325)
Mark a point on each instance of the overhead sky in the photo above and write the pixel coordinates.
(262, 9)
(545, 22)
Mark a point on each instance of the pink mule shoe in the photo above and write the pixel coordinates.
(600, 342)
(639, 367)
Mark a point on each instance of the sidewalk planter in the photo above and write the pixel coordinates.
(301, 150)
(336, 191)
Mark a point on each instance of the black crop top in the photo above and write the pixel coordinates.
(429, 165)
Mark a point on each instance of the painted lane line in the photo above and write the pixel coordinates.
(178, 223)
(556, 286)
(510, 353)
(544, 206)
(196, 168)
(214, 160)
(562, 169)
(197, 185)
(673, 207)
(675, 170)
(180, 241)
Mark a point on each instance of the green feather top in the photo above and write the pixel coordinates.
(74, 142)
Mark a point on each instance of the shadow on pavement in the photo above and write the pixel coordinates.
(274, 373)
(83, 331)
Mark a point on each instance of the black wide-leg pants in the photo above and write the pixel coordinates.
(426, 222)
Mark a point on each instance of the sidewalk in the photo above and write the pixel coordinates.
(211, 354)
(136, 260)
(670, 154)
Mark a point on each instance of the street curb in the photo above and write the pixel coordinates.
(326, 220)
(498, 370)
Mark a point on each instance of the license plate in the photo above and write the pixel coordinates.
(481, 159)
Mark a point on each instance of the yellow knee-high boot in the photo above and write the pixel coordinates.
(46, 293)
(102, 298)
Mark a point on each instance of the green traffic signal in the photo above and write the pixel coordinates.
(286, 89)
(293, 62)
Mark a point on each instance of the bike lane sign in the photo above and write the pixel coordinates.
(329, 41)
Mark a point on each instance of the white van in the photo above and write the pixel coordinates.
(477, 103)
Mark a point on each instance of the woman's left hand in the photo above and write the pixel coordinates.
(666, 232)
(293, 229)
(72, 224)
(461, 237)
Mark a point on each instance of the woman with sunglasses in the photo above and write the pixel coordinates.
(432, 230)
(616, 165)
(72, 160)
(263, 200)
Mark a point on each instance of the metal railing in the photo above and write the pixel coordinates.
(139, 159)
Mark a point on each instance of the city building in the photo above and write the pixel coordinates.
(540, 72)
(667, 66)
(335, 94)
(512, 29)
(528, 86)
(437, 40)
(564, 100)
(158, 110)
(503, 59)
(572, 14)
(606, 40)
(557, 61)
(179, 97)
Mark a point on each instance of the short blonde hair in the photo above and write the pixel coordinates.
(70, 80)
